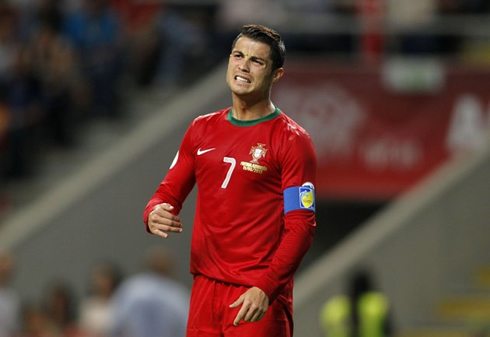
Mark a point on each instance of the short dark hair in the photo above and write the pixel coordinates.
(268, 36)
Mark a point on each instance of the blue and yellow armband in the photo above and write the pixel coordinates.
(299, 197)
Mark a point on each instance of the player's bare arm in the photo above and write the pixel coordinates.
(162, 221)
(254, 304)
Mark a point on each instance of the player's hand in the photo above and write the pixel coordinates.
(161, 221)
(254, 304)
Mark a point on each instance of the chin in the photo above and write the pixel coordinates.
(237, 90)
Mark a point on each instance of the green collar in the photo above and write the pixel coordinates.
(266, 118)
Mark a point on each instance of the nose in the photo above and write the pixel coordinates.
(244, 66)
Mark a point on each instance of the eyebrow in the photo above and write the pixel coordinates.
(256, 58)
(253, 57)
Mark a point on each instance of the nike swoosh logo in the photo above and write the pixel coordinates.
(199, 152)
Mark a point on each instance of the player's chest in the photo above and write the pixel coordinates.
(247, 157)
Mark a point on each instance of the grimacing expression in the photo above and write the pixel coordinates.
(250, 69)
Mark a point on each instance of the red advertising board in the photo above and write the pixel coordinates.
(374, 140)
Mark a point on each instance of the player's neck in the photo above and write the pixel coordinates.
(244, 111)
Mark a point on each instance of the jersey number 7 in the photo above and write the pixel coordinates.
(231, 161)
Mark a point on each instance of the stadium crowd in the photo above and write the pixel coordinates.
(62, 66)
(146, 303)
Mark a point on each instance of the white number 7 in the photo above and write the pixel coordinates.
(231, 161)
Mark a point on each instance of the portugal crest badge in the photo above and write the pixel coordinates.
(257, 152)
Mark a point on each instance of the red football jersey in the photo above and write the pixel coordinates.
(241, 234)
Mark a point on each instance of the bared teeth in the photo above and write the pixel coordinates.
(241, 79)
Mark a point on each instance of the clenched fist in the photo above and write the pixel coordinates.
(162, 221)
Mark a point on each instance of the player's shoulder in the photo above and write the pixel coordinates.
(211, 117)
(295, 141)
(290, 127)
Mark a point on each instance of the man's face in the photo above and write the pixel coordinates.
(250, 69)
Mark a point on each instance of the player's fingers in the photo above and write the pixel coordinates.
(163, 230)
(257, 316)
(155, 221)
(166, 228)
(252, 311)
(171, 222)
(160, 233)
(163, 208)
(169, 229)
(160, 213)
(238, 302)
(240, 316)
(166, 207)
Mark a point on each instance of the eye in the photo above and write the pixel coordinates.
(258, 61)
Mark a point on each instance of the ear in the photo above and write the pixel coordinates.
(278, 74)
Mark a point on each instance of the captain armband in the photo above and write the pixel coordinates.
(299, 197)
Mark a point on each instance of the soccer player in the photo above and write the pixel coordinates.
(255, 214)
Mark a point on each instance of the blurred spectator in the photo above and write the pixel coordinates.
(151, 303)
(178, 39)
(160, 39)
(23, 97)
(55, 67)
(8, 51)
(61, 309)
(95, 312)
(4, 125)
(95, 32)
(362, 312)
(9, 299)
(38, 13)
(8, 43)
(36, 323)
(139, 19)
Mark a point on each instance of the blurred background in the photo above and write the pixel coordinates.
(95, 96)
